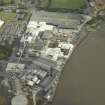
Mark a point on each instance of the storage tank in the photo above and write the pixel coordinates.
(19, 100)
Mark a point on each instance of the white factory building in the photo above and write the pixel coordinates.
(56, 53)
(33, 29)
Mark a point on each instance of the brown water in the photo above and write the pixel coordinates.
(83, 79)
(3, 95)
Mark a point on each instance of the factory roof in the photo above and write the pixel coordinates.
(47, 35)
(47, 61)
(42, 65)
(32, 24)
(35, 28)
(20, 16)
(41, 26)
(30, 83)
(54, 52)
(66, 46)
(46, 84)
(38, 44)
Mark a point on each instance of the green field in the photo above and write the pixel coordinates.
(67, 4)
(7, 1)
(61, 4)
(3, 2)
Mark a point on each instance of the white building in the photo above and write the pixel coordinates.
(66, 46)
(34, 28)
(55, 53)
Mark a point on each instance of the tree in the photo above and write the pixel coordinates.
(12, 1)
(1, 2)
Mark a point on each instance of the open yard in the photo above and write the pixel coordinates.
(61, 4)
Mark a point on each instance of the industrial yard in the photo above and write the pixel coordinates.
(33, 70)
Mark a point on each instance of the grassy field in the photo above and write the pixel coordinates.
(44, 3)
(62, 4)
(67, 4)
(7, 1)
(3, 2)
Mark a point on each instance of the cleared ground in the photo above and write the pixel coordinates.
(44, 3)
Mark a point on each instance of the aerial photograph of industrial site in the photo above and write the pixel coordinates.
(52, 52)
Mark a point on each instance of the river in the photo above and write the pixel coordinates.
(83, 78)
